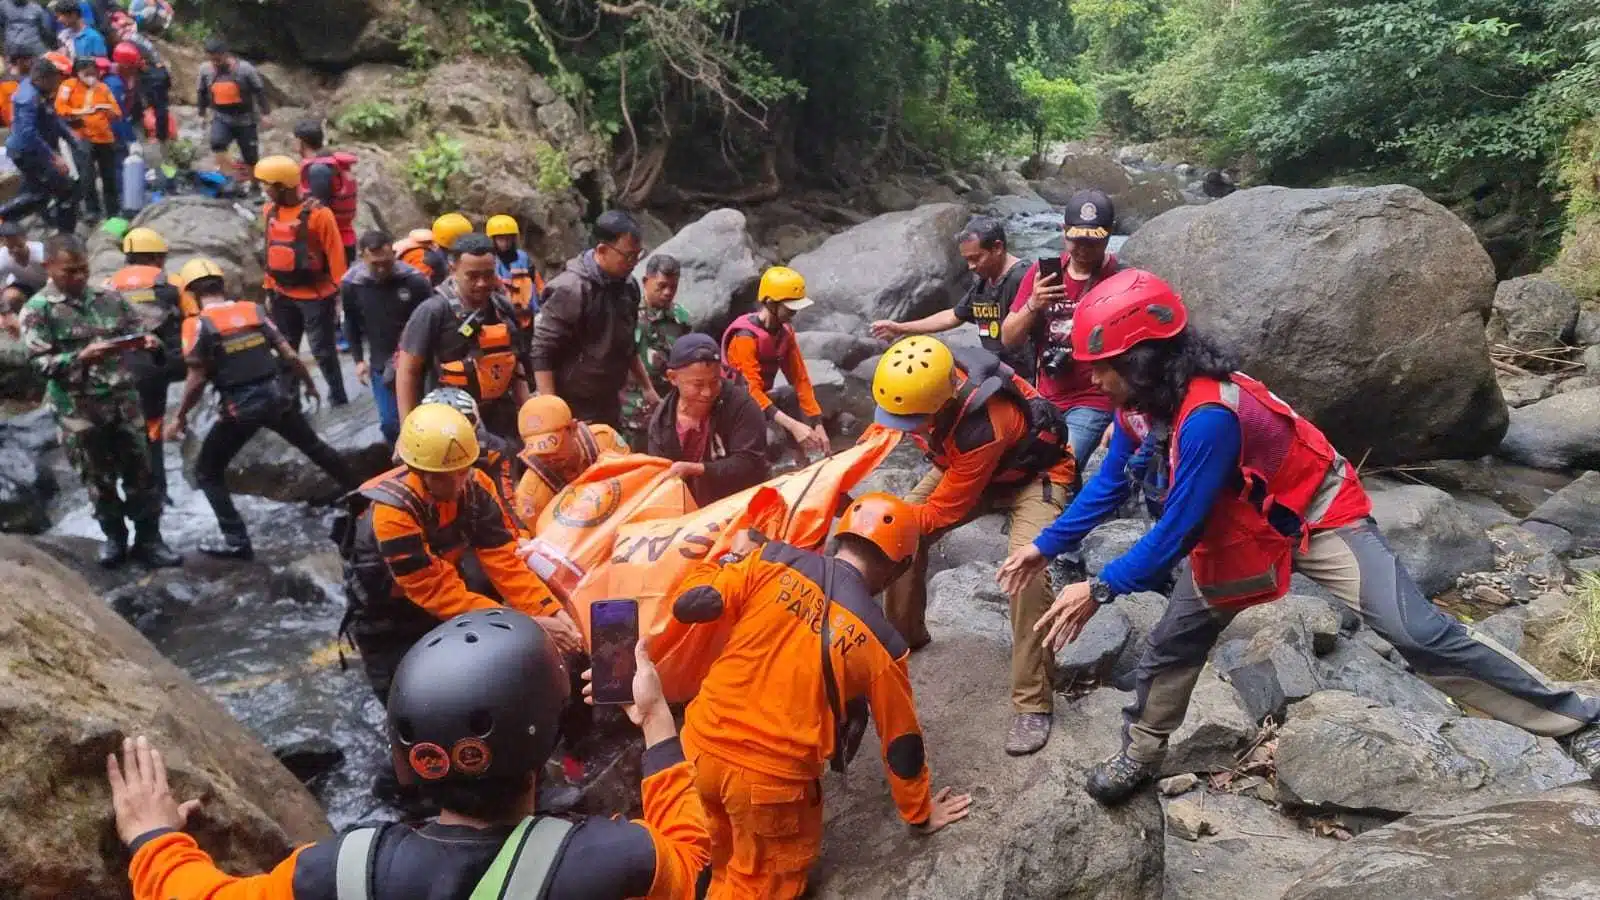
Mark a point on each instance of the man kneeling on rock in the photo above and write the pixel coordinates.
(234, 346)
(996, 446)
(1252, 493)
(473, 716)
(760, 730)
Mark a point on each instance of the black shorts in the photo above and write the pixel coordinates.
(246, 136)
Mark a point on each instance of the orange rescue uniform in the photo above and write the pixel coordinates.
(744, 359)
(761, 728)
(548, 473)
(323, 234)
(94, 107)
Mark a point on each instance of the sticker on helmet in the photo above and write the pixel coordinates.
(471, 756)
(455, 453)
(430, 761)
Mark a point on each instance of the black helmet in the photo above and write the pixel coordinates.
(479, 697)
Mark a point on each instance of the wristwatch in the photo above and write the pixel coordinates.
(1101, 592)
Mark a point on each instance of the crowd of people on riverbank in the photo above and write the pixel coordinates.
(499, 385)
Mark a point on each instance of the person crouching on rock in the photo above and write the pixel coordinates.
(1223, 442)
(761, 344)
(472, 718)
(760, 730)
(556, 448)
(996, 446)
(233, 345)
(497, 457)
(404, 571)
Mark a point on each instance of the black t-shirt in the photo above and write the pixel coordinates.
(986, 304)
(434, 333)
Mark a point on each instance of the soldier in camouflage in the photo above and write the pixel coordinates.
(76, 337)
(661, 321)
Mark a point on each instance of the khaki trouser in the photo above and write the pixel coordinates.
(1029, 508)
(1357, 565)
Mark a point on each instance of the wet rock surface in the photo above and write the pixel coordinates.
(1251, 852)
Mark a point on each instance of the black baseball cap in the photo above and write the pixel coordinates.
(693, 348)
(1090, 216)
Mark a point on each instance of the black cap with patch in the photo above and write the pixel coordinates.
(1089, 216)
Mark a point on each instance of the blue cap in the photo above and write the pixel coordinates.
(898, 423)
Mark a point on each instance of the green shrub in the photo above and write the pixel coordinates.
(553, 174)
(371, 119)
(431, 168)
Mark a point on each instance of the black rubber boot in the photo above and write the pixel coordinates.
(1118, 778)
(150, 549)
(114, 549)
(226, 547)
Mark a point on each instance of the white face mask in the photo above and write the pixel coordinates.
(89, 80)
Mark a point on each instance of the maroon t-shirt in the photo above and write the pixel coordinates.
(1054, 326)
(694, 441)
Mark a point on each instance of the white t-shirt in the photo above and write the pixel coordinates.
(31, 275)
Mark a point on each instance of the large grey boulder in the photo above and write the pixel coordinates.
(1338, 751)
(1431, 533)
(1355, 666)
(720, 273)
(1545, 847)
(1251, 852)
(1216, 729)
(1532, 313)
(1362, 307)
(1575, 508)
(1561, 432)
(1088, 171)
(226, 232)
(900, 265)
(1149, 195)
(26, 483)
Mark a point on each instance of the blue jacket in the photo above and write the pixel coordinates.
(36, 133)
(86, 44)
(121, 126)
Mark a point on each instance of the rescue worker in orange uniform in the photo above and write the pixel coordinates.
(473, 716)
(556, 448)
(523, 282)
(466, 336)
(775, 708)
(304, 265)
(761, 344)
(1250, 492)
(16, 69)
(413, 250)
(404, 571)
(143, 281)
(436, 257)
(233, 346)
(86, 104)
(996, 446)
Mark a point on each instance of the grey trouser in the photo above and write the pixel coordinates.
(1359, 568)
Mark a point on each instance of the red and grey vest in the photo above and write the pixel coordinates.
(1293, 483)
(244, 353)
(987, 377)
(771, 349)
(343, 202)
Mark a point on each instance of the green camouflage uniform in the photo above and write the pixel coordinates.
(656, 331)
(95, 404)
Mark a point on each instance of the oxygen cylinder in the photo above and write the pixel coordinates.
(133, 172)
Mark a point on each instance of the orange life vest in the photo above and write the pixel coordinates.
(489, 367)
(227, 91)
(293, 257)
(1293, 483)
(244, 354)
(987, 377)
(138, 283)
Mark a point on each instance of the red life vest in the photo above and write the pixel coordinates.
(987, 377)
(771, 349)
(244, 353)
(293, 257)
(1294, 483)
(343, 203)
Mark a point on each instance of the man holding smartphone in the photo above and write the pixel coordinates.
(1042, 314)
(754, 733)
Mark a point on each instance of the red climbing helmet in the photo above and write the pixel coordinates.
(1130, 306)
(127, 54)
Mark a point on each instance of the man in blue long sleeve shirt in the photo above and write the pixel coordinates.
(1216, 432)
(77, 36)
(36, 134)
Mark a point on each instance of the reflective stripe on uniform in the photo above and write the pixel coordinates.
(522, 869)
(353, 870)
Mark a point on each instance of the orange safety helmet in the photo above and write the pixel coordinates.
(885, 521)
(61, 61)
(543, 422)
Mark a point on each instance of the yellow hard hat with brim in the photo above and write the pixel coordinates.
(437, 438)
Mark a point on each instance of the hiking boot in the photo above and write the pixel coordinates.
(227, 548)
(113, 552)
(150, 549)
(1029, 733)
(1583, 746)
(1118, 778)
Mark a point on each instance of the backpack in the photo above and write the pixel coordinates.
(522, 869)
(292, 260)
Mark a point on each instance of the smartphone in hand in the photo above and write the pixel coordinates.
(1049, 266)
(614, 627)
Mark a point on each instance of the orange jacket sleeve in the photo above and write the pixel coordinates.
(794, 369)
(742, 359)
(325, 227)
(894, 713)
(970, 470)
(677, 825)
(428, 581)
(714, 589)
(172, 866)
(492, 531)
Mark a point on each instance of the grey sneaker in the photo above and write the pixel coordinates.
(1583, 746)
(1118, 778)
(1029, 733)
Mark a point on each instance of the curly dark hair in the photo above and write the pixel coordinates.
(1158, 372)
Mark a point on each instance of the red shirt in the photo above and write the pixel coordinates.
(1054, 326)
(693, 440)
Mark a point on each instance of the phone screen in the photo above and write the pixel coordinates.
(1049, 266)
(614, 625)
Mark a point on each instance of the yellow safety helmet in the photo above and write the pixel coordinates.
(448, 227)
(194, 270)
(501, 226)
(542, 422)
(437, 438)
(279, 170)
(143, 240)
(782, 284)
(913, 381)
